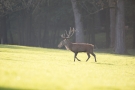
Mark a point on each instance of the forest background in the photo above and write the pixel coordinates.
(104, 23)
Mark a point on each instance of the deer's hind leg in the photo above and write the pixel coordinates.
(94, 56)
(88, 56)
(76, 57)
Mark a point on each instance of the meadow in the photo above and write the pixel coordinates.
(36, 68)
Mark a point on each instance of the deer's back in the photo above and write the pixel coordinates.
(82, 47)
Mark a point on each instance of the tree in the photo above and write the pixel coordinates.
(8, 7)
(78, 22)
(134, 30)
(112, 5)
(3, 30)
(133, 15)
(120, 46)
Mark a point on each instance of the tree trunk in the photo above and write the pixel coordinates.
(107, 28)
(3, 31)
(120, 46)
(27, 27)
(10, 35)
(92, 32)
(134, 36)
(134, 29)
(112, 22)
(78, 23)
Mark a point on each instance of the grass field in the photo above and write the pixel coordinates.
(54, 69)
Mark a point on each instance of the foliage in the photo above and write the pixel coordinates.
(24, 67)
(10, 6)
(93, 6)
(40, 22)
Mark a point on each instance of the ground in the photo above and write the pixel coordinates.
(24, 67)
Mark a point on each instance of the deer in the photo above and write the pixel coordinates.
(76, 47)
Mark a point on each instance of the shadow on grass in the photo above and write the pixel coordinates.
(8, 88)
(130, 52)
(105, 63)
(25, 47)
(14, 46)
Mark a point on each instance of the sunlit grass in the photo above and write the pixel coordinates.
(54, 69)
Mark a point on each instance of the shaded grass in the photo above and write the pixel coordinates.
(53, 69)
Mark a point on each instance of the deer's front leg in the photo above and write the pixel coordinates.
(76, 57)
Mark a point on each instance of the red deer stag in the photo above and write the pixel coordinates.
(76, 47)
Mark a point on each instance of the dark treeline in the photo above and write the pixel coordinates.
(38, 24)
(41, 22)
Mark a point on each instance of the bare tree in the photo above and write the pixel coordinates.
(120, 46)
(112, 4)
(78, 22)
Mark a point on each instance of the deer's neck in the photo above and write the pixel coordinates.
(68, 45)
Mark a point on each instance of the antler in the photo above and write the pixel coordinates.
(71, 32)
(63, 36)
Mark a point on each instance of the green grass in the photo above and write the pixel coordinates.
(53, 69)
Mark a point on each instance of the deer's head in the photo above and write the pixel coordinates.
(66, 36)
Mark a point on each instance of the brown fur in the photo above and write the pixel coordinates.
(80, 47)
